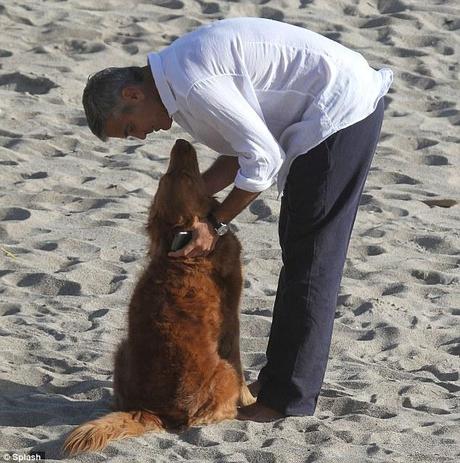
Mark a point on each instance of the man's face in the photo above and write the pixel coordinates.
(146, 114)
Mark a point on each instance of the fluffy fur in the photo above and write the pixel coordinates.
(180, 364)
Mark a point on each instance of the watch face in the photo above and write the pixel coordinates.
(222, 229)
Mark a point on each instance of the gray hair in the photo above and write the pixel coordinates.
(102, 95)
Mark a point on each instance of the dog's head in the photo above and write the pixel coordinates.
(180, 199)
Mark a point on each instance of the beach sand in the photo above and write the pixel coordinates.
(73, 210)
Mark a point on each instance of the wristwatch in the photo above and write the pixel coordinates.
(219, 227)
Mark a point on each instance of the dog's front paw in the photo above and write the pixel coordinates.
(246, 397)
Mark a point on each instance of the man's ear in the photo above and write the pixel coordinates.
(132, 94)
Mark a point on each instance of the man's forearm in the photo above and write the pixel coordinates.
(221, 174)
(233, 204)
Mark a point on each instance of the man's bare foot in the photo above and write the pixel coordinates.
(254, 388)
(258, 412)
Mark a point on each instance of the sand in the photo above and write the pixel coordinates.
(72, 212)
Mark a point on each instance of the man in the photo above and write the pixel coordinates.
(279, 103)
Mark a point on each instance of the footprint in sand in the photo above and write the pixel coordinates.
(435, 160)
(305, 3)
(128, 257)
(397, 211)
(14, 213)
(434, 104)
(75, 46)
(418, 81)
(452, 350)
(452, 24)
(116, 283)
(365, 199)
(436, 245)
(35, 175)
(375, 250)
(271, 13)
(408, 52)
(445, 50)
(87, 356)
(386, 36)
(171, 4)
(8, 162)
(452, 114)
(391, 6)
(262, 210)
(422, 143)
(377, 22)
(92, 317)
(394, 289)
(440, 202)
(260, 455)
(350, 10)
(9, 309)
(433, 278)
(374, 233)
(197, 436)
(342, 406)
(401, 179)
(210, 8)
(46, 246)
(398, 196)
(45, 284)
(407, 403)
(70, 265)
(22, 83)
(449, 376)
(363, 308)
(367, 336)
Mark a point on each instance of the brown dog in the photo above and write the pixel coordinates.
(180, 364)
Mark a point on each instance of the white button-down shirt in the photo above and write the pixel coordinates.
(264, 91)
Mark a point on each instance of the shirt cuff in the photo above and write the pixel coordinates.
(249, 184)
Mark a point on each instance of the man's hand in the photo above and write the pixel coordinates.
(204, 237)
(203, 241)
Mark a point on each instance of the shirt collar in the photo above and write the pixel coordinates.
(162, 85)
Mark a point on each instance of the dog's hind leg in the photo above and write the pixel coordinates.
(229, 343)
(230, 346)
(223, 396)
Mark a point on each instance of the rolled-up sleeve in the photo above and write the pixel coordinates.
(220, 103)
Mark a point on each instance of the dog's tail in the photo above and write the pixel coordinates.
(95, 435)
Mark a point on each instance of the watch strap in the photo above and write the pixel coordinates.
(214, 222)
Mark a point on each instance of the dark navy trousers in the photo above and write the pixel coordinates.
(318, 209)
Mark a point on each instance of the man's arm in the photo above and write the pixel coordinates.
(221, 174)
(220, 101)
(233, 204)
